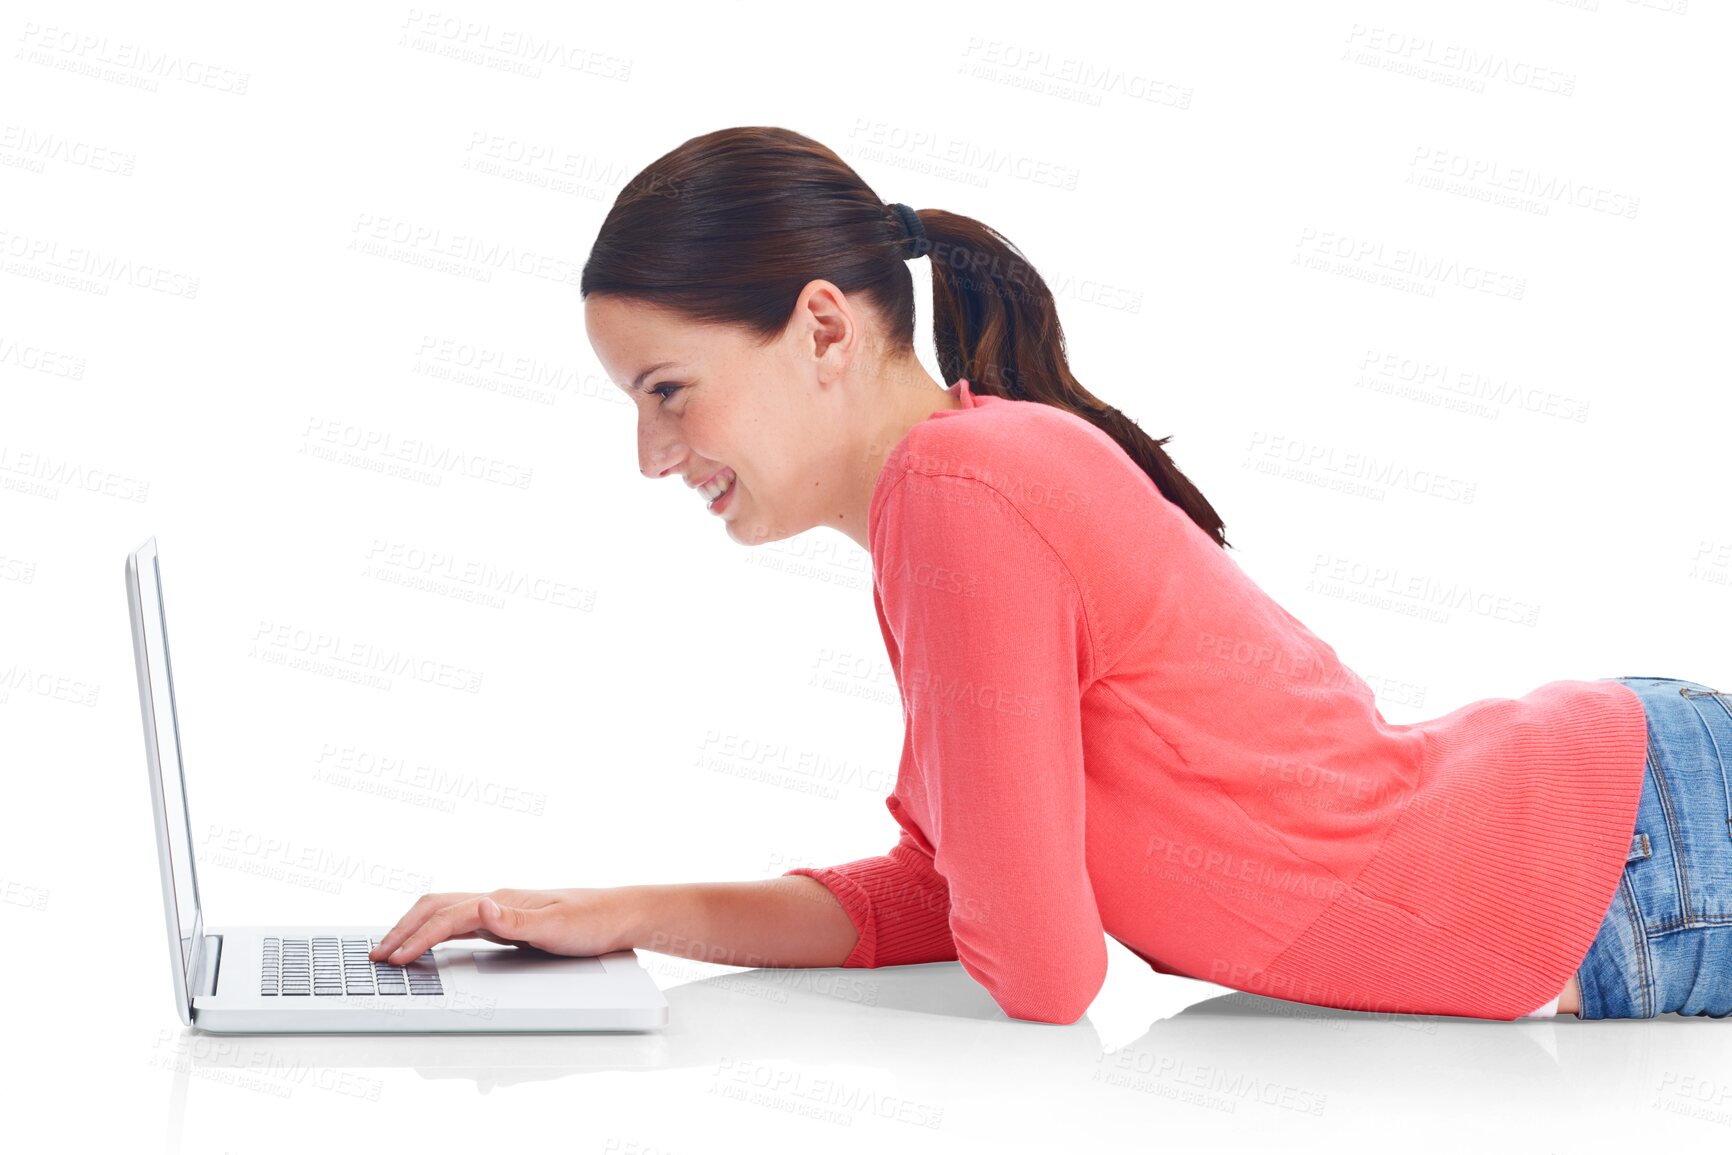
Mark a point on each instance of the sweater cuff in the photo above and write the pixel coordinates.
(902, 913)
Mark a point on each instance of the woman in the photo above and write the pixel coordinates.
(1109, 726)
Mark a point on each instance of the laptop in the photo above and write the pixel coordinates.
(266, 979)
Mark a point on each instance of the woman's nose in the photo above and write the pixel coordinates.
(654, 463)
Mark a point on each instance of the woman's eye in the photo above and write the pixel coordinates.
(657, 391)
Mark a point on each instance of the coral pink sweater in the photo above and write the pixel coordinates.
(1110, 727)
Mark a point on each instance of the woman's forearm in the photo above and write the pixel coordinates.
(790, 921)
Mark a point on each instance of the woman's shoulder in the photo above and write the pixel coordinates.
(1016, 447)
(1024, 479)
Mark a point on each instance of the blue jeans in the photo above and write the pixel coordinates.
(1666, 942)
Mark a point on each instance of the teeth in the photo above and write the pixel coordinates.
(723, 482)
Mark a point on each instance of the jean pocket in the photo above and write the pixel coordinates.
(1680, 870)
(1652, 880)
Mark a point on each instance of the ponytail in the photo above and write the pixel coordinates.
(995, 322)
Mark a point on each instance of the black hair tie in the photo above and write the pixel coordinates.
(915, 230)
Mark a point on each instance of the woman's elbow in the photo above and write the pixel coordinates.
(1059, 1010)
(1061, 1000)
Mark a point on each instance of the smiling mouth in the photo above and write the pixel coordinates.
(718, 487)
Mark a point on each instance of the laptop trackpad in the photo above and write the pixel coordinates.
(527, 962)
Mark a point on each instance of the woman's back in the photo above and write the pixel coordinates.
(1111, 726)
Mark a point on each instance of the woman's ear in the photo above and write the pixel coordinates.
(827, 328)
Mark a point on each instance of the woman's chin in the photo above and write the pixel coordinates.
(748, 531)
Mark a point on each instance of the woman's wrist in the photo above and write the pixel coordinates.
(775, 922)
(635, 912)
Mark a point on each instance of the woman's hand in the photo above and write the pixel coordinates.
(577, 921)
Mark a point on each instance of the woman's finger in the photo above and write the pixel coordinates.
(460, 917)
(428, 904)
(417, 914)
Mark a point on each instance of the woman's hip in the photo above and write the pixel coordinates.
(1666, 941)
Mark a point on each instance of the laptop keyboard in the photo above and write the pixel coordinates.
(329, 965)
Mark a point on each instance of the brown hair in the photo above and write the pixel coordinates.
(730, 227)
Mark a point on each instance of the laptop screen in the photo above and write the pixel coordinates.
(162, 737)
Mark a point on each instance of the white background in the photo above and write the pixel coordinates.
(1431, 297)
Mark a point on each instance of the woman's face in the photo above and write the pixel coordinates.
(723, 404)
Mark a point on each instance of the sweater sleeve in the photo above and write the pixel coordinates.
(994, 650)
(898, 903)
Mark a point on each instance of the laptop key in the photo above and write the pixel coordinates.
(323, 966)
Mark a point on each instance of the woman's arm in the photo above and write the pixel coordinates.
(791, 921)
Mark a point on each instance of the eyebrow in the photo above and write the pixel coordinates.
(637, 382)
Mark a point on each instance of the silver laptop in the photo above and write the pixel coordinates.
(318, 979)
